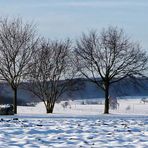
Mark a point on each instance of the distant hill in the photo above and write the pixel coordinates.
(126, 87)
(83, 89)
(24, 96)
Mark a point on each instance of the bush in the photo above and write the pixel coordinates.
(6, 110)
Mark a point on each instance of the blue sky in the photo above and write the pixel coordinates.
(69, 18)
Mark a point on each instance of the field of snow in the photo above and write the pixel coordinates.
(77, 126)
(126, 106)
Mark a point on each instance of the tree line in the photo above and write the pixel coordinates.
(25, 57)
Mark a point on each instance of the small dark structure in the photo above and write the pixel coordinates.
(6, 110)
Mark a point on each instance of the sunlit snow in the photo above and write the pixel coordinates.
(77, 126)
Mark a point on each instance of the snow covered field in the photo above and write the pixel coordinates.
(126, 106)
(77, 126)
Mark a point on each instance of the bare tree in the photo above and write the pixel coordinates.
(49, 71)
(17, 44)
(110, 56)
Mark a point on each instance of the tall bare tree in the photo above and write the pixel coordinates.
(17, 44)
(49, 71)
(110, 56)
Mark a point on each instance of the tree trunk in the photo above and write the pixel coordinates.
(15, 101)
(49, 107)
(106, 107)
(49, 110)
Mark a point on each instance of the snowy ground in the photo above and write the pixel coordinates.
(78, 126)
(128, 106)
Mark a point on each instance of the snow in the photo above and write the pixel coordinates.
(77, 126)
(126, 106)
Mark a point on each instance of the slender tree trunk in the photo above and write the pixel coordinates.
(49, 107)
(106, 107)
(15, 101)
